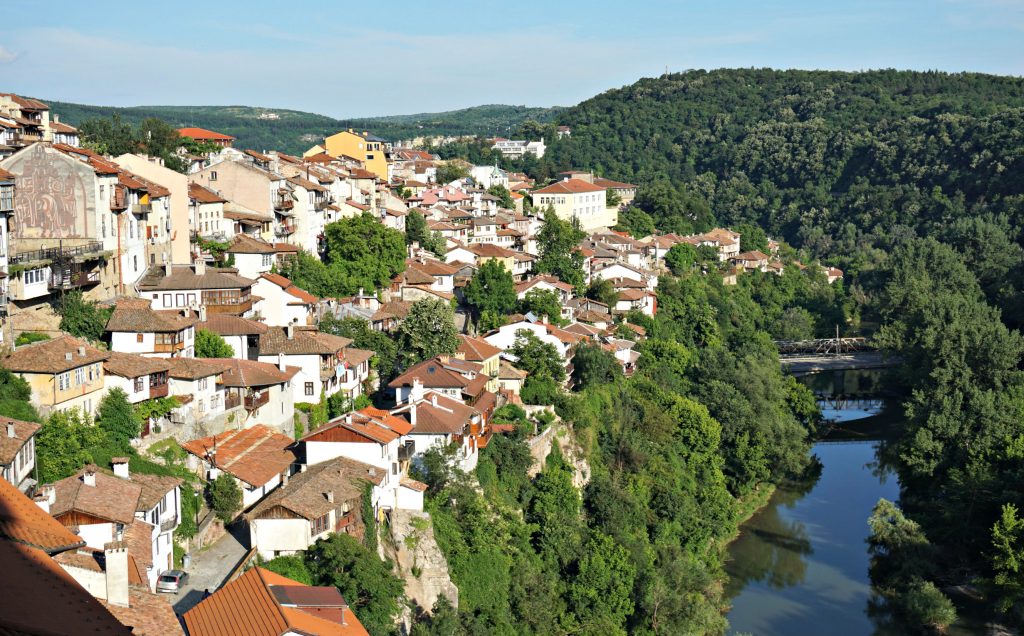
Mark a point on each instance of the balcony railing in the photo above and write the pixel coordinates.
(68, 279)
(168, 524)
(142, 208)
(285, 228)
(158, 391)
(168, 347)
(232, 400)
(253, 402)
(284, 204)
(235, 309)
(56, 253)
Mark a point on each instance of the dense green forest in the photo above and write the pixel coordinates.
(295, 131)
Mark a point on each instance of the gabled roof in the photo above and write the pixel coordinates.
(441, 415)
(250, 373)
(132, 365)
(290, 288)
(262, 603)
(11, 444)
(254, 455)
(753, 255)
(195, 368)
(476, 349)
(112, 498)
(615, 185)
(302, 342)
(374, 425)
(204, 134)
(433, 374)
(570, 186)
(228, 325)
(22, 521)
(203, 194)
(184, 277)
(245, 244)
(306, 492)
(52, 356)
(136, 315)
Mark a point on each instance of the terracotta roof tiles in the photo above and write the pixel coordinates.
(254, 455)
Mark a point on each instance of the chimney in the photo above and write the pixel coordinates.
(200, 267)
(330, 496)
(303, 468)
(116, 557)
(280, 361)
(348, 418)
(121, 467)
(46, 497)
(433, 399)
(202, 313)
(10, 429)
(284, 479)
(68, 355)
(444, 358)
(81, 351)
(167, 268)
(89, 478)
(416, 394)
(412, 415)
(289, 330)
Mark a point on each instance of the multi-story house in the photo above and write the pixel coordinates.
(63, 133)
(206, 213)
(135, 327)
(106, 506)
(327, 364)
(241, 334)
(63, 373)
(440, 421)
(311, 201)
(167, 239)
(264, 391)
(7, 185)
(515, 149)
(141, 379)
(311, 504)
(258, 458)
(362, 146)
(198, 383)
(189, 287)
(18, 451)
(252, 256)
(207, 136)
(283, 302)
(577, 200)
(31, 115)
(256, 190)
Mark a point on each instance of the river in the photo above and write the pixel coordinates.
(800, 565)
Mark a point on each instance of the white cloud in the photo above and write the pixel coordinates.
(7, 56)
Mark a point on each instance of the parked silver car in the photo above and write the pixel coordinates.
(172, 581)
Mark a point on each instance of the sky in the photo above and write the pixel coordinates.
(358, 59)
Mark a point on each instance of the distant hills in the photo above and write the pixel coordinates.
(294, 131)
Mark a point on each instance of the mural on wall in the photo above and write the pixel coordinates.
(53, 197)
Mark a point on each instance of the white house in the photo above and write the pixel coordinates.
(241, 334)
(252, 256)
(258, 458)
(264, 391)
(222, 291)
(18, 451)
(326, 363)
(284, 303)
(135, 327)
(439, 420)
(575, 199)
(196, 382)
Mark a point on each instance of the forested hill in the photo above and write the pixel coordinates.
(818, 157)
(295, 131)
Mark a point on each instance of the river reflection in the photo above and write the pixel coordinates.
(800, 566)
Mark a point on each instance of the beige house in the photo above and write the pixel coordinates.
(577, 199)
(170, 234)
(63, 373)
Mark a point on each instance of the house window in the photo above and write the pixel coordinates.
(167, 300)
(213, 175)
(140, 385)
(138, 337)
(202, 406)
(320, 524)
(267, 258)
(80, 376)
(202, 384)
(309, 388)
(64, 381)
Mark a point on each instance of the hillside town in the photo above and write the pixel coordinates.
(244, 378)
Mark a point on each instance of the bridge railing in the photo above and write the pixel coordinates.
(824, 346)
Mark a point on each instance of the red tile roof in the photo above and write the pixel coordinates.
(570, 186)
(254, 455)
(203, 134)
(476, 349)
(22, 521)
(11, 444)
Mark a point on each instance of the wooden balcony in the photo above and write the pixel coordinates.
(159, 391)
(71, 279)
(234, 309)
(232, 400)
(174, 347)
(253, 402)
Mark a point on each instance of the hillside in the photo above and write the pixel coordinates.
(818, 157)
(295, 131)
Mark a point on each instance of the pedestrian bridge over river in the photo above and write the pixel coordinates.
(830, 354)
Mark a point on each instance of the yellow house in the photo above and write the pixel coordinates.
(63, 373)
(362, 146)
(484, 353)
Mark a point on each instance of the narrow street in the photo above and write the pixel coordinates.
(210, 567)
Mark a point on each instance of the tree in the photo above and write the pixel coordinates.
(557, 243)
(1008, 557)
(427, 331)
(116, 417)
(681, 258)
(602, 591)
(15, 395)
(543, 302)
(367, 583)
(538, 358)
(364, 253)
(492, 290)
(29, 337)
(449, 171)
(415, 227)
(225, 497)
(603, 291)
(592, 365)
(363, 336)
(62, 444)
(613, 200)
(83, 318)
(211, 345)
(795, 323)
(752, 237)
(291, 566)
(634, 221)
(505, 197)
